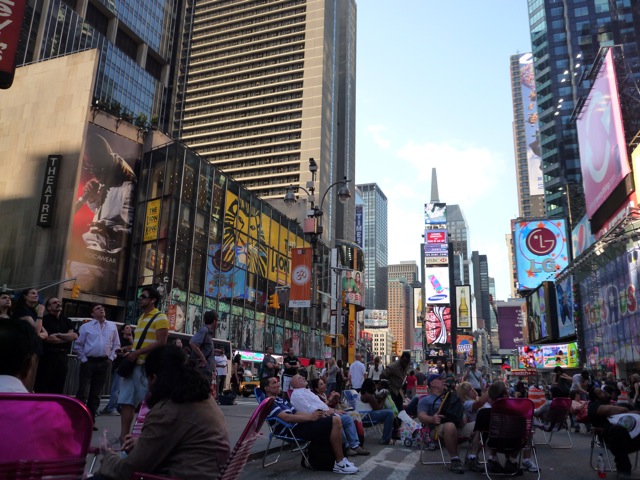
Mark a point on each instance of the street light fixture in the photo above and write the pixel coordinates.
(313, 227)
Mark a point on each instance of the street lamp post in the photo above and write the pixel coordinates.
(313, 225)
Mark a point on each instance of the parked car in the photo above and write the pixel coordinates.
(248, 384)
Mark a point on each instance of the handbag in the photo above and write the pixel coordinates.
(126, 367)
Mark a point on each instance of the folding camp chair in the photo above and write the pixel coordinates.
(597, 441)
(556, 421)
(283, 431)
(510, 430)
(352, 398)
(51, 436)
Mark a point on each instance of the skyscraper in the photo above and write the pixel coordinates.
(458, 232)
(525, 135)
(566, 37)
(136, 41)
(263, 87)
(481, 289)
(375, 245)
(400, 309)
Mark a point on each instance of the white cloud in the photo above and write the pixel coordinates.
(377, 133)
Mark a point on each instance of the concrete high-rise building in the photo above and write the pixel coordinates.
(381, 343)
(458, 232)
(400, 309)
(136, 40)
(480, 288)
(376, 245)
(566, 37)
(525, 135)
(265, 86)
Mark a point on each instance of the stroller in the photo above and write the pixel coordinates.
(412, 434)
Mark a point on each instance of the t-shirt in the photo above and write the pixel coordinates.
(468, 410)
(266, 371)
(356, 372)
(373, 375)
(221, 365)
(411, 381)
(474, 378)
(429, 404)
(53, 324)
(160, 322)
(279, 406)
(204, 340)
(288, 369)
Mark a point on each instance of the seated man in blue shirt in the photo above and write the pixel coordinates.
(316, 426)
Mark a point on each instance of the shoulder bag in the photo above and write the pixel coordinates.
(126, 367)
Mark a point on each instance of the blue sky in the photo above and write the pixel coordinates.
(433, 90)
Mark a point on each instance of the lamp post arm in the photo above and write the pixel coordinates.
(344, 180)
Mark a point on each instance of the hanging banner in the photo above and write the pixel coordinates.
(300, 278)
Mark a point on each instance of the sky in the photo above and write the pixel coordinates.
(433, 90)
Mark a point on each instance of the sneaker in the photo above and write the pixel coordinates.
(528, 465)
(456, 466)
(473, 464)
(344, 467)
(350, 452)
(511, 468)
(361, 451)
(493, 466)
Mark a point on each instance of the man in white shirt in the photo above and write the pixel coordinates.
(221, 369)
(18, 343)
(357, 373)
(96, 348)
(304, 400)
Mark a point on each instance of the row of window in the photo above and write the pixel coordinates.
(195, 120)
(255, 102)
(294, 34)
(214, 26)
(214, 97)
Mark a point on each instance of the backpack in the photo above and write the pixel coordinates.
(320, 457)
(452, 409)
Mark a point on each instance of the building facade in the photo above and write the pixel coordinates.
(263, 87)
(376, 245)
(458, 232)
(480, 288)
(401, 310)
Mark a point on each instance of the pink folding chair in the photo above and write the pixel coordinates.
(232, 469)
(43, 436)
(556, 421)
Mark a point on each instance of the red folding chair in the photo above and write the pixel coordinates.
(232, 469)
(556, 420)
(43, 436)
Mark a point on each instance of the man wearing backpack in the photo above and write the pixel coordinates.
(439, 409)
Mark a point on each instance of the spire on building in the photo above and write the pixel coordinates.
(435, 198)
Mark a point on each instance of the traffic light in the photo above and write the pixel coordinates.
(274, 302)
(394, 347)
(344, 299)
(75, 291)
(328, 340)
(340, 341)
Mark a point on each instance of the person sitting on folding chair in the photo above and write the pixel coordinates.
(317, 426)
(472, 402)
(447, 428)
(618, 439)
(379, 412)
(304, 400)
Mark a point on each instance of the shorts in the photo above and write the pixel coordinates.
(463, 432)
(133, 390)
(318, 430)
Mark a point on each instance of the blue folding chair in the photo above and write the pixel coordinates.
(352, 398)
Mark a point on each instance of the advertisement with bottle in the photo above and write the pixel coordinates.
(463, 305)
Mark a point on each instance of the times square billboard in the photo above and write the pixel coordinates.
(541, 251)
(531, 126)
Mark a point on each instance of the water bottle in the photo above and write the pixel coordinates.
(602, 473)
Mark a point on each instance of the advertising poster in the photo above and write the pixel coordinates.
(538, 311)
(510, 331)
(419, 310)
(463, 306)
(530, 113)
(564, 297)
(438, 325)
(300, 295)
(353, 285)
(548, 356)
(541, 251)
(436, 246)
(435, 214)
(603, 151)
(417, 339)
(436, 285)
(103, 212)
(359, 226)
(581, 237)
(375, 319)
(464, 346)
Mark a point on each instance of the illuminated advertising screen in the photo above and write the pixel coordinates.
(103, 213)
(541, 251)
(464, 346)
(563, 355)
(581, 237)
(603, 151)
(530, 113)
(564, 297)
(417, 339)
(436, 246)
(463, 306)
(540, 309)
(438, 325)
(418, 310)
(435, 214)
(353, 286)
(436, 285)
(359, 232)
(375, 319)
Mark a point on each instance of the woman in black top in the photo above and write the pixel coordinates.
(29, 309)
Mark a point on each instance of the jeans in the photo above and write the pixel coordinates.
(385, 416)
(349, 433)
(330, 388)
(113, 396)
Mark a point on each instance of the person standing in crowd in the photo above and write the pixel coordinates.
(357, 373)
(449, 374)
(395, 373)
(291, 365)
(269, 365)
(125, 333)
(52, 370)
(18, 345)
(312, 371)
(474, 377)
(5, 305)
(412, 381)
(341, 374)
(184, 434)
(134, 388)
(421, 378)
(237, 373)
(29, 309)
(375, 370)
(222, 366)
(202, 355)
(330, 375)
(96, 348)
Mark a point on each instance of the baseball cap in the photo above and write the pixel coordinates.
(433, 377)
